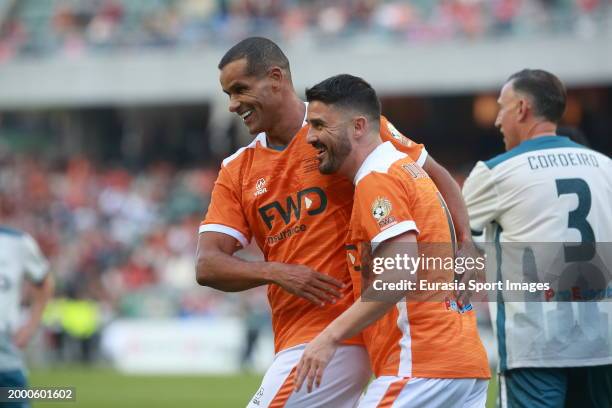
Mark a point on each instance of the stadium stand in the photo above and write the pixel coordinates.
(49, 26)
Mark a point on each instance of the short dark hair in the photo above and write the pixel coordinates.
(347, 91)
(261, 54)
(546, 91)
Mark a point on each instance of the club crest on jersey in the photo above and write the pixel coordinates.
(381, 211)
(397, 135)
(381, 208)
(260, 187)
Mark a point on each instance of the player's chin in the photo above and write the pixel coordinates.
(254, 128)
(327, 166)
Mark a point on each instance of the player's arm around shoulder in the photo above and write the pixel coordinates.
(217, 268)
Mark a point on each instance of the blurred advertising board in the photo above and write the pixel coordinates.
(183, 346)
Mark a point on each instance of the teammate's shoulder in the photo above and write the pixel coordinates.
(540, 143)
(241, 153)
(11, 232)
(379, 161)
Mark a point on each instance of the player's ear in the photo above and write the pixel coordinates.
(276, 75)
(361, 126)
(523, 107)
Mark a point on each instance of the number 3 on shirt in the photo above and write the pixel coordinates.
(578, 219)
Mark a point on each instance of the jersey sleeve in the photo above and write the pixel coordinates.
(35, 264)
(481, 199)
(383, 208)
(416, 151)
(225, 213)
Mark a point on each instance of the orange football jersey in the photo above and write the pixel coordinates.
(297, 216)
(417, 338)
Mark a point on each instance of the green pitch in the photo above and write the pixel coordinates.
(104, 388)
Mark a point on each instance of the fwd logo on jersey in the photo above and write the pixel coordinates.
(312, 201)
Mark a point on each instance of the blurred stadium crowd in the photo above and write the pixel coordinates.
(42, 27)
(120, 244)
(110, 233)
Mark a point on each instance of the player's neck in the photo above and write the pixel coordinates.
(539, 129)
(358, 155)
(291, 119)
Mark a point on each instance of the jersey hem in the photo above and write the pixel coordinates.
(560, 364)
(302, 341)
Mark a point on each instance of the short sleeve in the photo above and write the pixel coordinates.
(35, 264)
(388, 133)
(480, 194)
(225, 213)
(384, 207)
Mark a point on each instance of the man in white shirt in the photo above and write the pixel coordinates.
(546, 189)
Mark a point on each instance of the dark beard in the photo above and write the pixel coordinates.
(336, 155)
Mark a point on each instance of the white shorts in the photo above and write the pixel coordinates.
(397, 392)
(341, 386)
